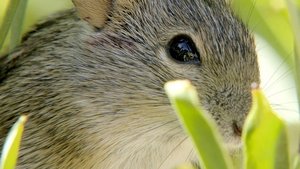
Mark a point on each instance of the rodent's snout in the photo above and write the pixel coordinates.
(237, 129)
(237, 125)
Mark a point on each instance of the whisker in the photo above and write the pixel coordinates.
(280, 92)
(172, 152)
(261, 47)
(154, 139)
(291, 102)
(156, 127)
(251, 12)
(285, 109)
(284, 60)
(278, 104)
(145, 132)
(284, 74)
(190, 154)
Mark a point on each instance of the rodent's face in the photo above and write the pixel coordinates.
(204, 42)
(199, 40)
(226, 64)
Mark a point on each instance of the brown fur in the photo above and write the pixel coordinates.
(95, 97)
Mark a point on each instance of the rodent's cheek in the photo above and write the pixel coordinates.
(184, 71)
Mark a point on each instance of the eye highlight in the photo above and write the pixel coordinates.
(183, 49)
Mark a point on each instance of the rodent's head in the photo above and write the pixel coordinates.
(199, 40)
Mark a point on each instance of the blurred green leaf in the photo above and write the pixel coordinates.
(294, 14)
(17, 25)
(265, 137)
(297, 163)
(198, 125)
(8, 19)
(11, 146)
(269, 19)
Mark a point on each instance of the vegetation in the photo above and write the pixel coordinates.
(10, 149)
(270, 141)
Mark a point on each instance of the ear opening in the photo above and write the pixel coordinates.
(94, 12)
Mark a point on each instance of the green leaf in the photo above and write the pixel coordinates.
(199, 126)
(297, 163)
(269, 19)
(266, 137)
(8, 19)
(294, 14)
(17, 25)
(12, 144)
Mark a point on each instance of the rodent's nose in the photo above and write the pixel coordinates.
(237, 129)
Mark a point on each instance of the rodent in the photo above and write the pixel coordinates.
(91, 81)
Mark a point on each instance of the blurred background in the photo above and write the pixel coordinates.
(267, 19)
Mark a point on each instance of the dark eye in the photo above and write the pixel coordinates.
(183, 49)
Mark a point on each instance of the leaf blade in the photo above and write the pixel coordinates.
(17, 24)
(8, 19)
(11, 146)
(197, 123)
(265, 137)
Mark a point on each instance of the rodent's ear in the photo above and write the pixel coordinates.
(93, 11)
